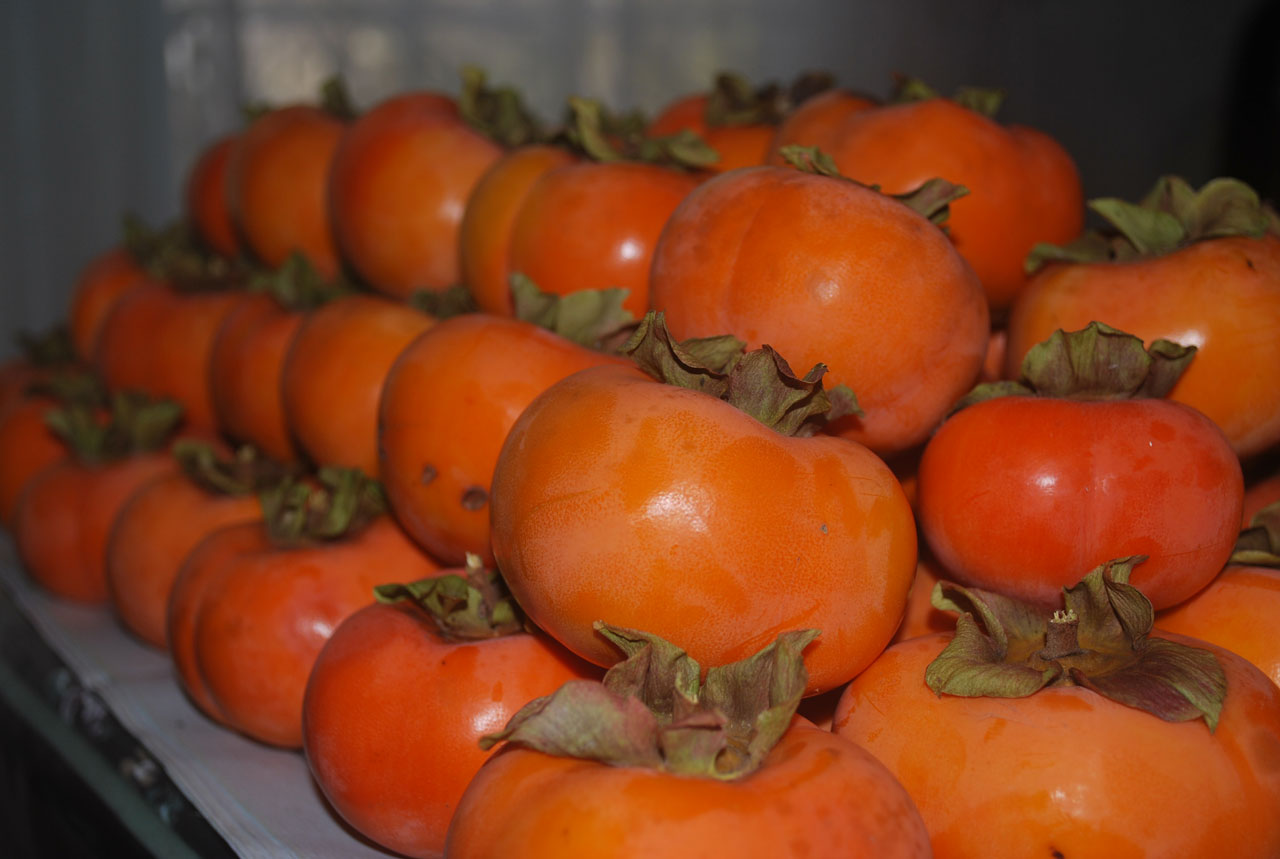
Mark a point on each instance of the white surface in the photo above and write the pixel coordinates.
(261, 800)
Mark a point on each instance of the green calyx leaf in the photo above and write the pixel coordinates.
(53, 348)
(70, 387)
(1171, 216)
(335, 99)
(1259, 544)
(134, 424)
(498, 113)
(446, 303)
(984, 100)
(244, 472)
(468, 607)
(338, 503)
(931, 201)
(296, 285)
(652, 709)
(734, 101)
(1097, 362)
(601, 137)
(1101, 641)
(759, 383)
(175, 255)
(587, 317)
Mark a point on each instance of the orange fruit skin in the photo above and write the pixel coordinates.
(273, 608)
(277, 183)
(447, 405)
(484, 236)
(815, 795)
(64, 516)
(27, 447)
(245, 367)
(393, 717)
(398, 187)
(639, 504)
(595, 226)
(1024, 186)
(1221, 296)
(1238, 611)
(825, 271)
(1023, 495)
(155, 530)
(100, 285)
(816, 121)
(1067, 772)
(205, 198)
(333, 375)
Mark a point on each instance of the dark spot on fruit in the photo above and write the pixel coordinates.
(1248, 262)
(428, 474)
(1056, 853)
(475, 498)
(824, 527)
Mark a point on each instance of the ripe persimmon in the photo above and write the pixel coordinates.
(100, 284)
(205, 198)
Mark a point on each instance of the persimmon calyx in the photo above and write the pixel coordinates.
(244, 472)
(444, 303)
(135, 424)
(1259, 544)
(734, 101)
(296, 285)
(759, 383)
(335, 99)
(1171, 216)
(931, 200)
(52, 348)
(587, 317)
(174, 255)
(469, 607)
(1097, 362)
(69, 386)
(984, 100)
(338, 503)
(604, 139)
(498, 113)
(1004, 648)
(653, 710)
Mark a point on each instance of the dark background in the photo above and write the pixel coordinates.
(105, 104)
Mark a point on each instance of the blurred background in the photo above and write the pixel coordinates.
(105, 105)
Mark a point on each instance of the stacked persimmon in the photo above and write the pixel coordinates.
(431, 429)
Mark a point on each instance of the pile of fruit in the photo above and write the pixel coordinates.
(467, 456)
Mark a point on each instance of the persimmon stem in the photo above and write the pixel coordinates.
(1060, 636)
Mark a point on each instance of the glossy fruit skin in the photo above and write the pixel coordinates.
(394, 713)
(1067, 770)
(158, 340)
(1024, 186)
(744, 145)
(100, 285)
(27, 447)
(826, 271)
(63, 518)
(399, 184)
(1237, 611)
(815, 795)
(816, 121)
(277, 184)
(642, 505)
(1021, 494)
(273, 608)
(447, 405)
(333, 375)
(205, 198)
(484, 236)
(1220, 295)
(245, 367)
(595, 226)
(154, 532)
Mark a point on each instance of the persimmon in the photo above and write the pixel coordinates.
(42, 358)
(27, 447)
(484, 235)
(64, 513)
(650, 764)
(333, 373)
(815, 122)
(447, 405)
(399, 184)
(1024, 186)
(620, 498)
(277, 182)
(404, 690)
(922, 617)
(99, 286)
(159, 525)
(1237, 610)
(824, 269)
(275, 596)
(205, 199)
(1083, 461)
(1084, 735)
(1200, 267)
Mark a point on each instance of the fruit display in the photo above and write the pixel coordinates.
(787, 474)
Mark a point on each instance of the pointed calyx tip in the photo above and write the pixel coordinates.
(1101, 641)
(337, 503)
(588, 317)
(133, 424)
(467, 606)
